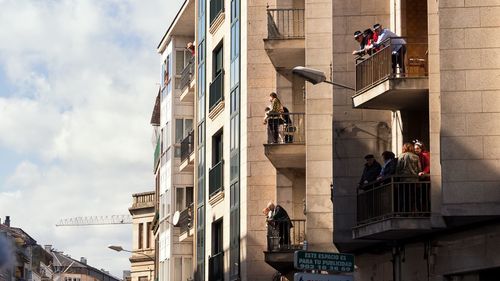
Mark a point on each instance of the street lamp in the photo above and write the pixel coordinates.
(120, 248)
(315, 76)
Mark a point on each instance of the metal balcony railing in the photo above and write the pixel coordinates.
(285, 23)
(216, 90)
(381, 65)
(186, 219)
(216, 178)
(187, 74)
(286, 128)
(394, 197)
(216, 267)
(285, 235)
(187, 146)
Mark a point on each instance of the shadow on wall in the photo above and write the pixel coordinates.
(351, 142)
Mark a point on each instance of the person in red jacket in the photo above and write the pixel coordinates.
(424, 156)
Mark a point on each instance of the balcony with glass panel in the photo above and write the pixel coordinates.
(187, 152)
(187, 81)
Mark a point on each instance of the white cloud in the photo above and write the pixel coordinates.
(83, 80)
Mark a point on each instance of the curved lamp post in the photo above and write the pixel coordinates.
(120, 249)
(315, 76)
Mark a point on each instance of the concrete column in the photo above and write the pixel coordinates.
(319, 224)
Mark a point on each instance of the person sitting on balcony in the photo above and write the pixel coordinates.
(398, 46)
(360, 38)
(273, 118)
(370, 172)
(389, 167)
(424, 157)
(190, 47)
(408, 163)
(278, 219)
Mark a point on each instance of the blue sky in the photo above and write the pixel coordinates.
(78, 82)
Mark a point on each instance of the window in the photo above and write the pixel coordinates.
(166, 71)
(217, 60)
(217, 238)
(217, 147)
(143, 278)
(183, 198)
(182, 129)
(148, 235)
(216, 8)
(182, 58)
(140, 234)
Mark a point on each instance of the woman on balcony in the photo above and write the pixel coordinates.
(424, 157)
(408, 163)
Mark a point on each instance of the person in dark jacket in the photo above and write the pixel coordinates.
(389, 166)
(279, 219)
(371, 170)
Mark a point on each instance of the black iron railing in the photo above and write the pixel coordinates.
(383, 64)
(285, 23)
(187, 146)
(187, 74)
(216, 90)
(286, 128)
(394, 197)
(216, 267)
(186, 219)
(216, 8)
(216, 178)
(285, 235)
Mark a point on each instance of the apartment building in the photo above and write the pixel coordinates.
(444, 227)
(237, 170)
(142, 261)
(172, 120)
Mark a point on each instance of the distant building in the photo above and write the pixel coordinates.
(142, 261)
(68, 269)
(21, 258)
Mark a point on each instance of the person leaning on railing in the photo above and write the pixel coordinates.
(371, 171)
(398, 46)
(278, 219)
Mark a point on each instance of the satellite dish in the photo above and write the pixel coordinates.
(175, 219)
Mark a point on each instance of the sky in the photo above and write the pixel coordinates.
(78, 81)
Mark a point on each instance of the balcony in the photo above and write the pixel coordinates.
(216, 267)
(394, 208)
(187, 79)
(186, 223)
(285, 44)
(187, 149)
(285, 146)
(380, 85)
(216, 179)
(283, 239)
(143, 200)
(216, 99)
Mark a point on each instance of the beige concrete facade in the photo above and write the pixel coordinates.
(460, 109)
(142, 264)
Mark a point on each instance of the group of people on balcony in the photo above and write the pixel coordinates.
(411, 165)
(277, 115)
(376, 38)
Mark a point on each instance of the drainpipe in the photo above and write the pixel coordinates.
(396, 263)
